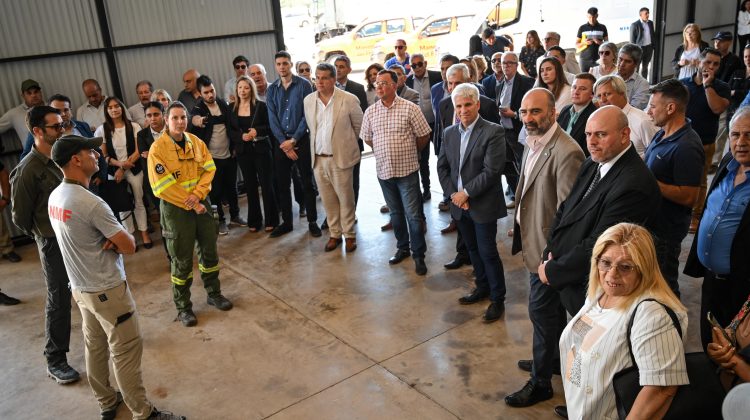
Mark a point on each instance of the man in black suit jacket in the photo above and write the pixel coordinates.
(343, 67)
(508, 105)
(469, 166)
(456, 75)
(422, 80)
(145, 138)
(726, 268)
(582, 95)
(643, 35)
(614, 185)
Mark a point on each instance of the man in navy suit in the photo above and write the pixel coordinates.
(643, 35)
(614, 185)
(470, 166)
(422, 80)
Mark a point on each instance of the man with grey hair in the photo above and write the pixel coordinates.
(257, 72)
(612, 186)
(334, 152)
(469, 167)
(611, 90)
(402, 90)
(551, 162)
(456, 75)
(628, 60)
(143, 89)
(571, 65)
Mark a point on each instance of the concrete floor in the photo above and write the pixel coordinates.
(313, 335)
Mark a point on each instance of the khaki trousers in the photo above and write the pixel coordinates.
(336, 188)
(6, 245)
(110, 326)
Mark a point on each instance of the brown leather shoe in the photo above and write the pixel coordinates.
(384, 209)
(332, 244)
(351, 244)
(387, 226)
(450, 228)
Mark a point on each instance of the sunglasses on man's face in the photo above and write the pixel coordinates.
(399, 47)
(417, 65)
(240, 66)
(304, 70)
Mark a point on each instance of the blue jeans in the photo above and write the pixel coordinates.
(547, 316)
(488, 267)
(404, 197)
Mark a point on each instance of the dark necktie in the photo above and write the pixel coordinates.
(594, 182)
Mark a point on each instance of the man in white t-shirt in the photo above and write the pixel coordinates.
(91, 241)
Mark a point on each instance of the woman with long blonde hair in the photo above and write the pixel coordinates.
(687, 57)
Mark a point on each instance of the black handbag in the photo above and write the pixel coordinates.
(701, 399)
(117, 195)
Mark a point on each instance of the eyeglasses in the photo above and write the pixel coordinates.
(496, 60)
(622, 269)
(399, 47)
(304, 70)
(604, 52)
(550, 39)
(240, 66)
(58, 126)
(379, 84)
(509, 63)
(417, 65)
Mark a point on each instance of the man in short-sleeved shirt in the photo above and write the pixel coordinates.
(591, 35)
(396, 130)
(675, 157)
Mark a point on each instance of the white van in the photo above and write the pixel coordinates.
(517, 17)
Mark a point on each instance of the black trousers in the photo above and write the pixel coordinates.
(514, 154)
(224, 187)
(648, 53)
(284, 168)
(723, 297)
(57, 306)
(256, 165)
(424, 163)
(547, 315)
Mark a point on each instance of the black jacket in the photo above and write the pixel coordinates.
(628, 193)
(262, 127)
(678, 53)
(636, 32)
(521, 85)
(487, 110)
(433, 76)
(204, 133)
(130, 145)
(739, 263)
(579, 128)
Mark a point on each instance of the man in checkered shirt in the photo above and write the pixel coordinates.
(397, 130)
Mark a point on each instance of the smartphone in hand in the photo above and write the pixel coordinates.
(715, 323)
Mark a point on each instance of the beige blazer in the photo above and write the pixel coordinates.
(539, 196)
(347, 120)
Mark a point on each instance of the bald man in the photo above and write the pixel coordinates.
(190, 95)
(614, 185)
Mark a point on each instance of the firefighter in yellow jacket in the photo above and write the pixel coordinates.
(180, 169)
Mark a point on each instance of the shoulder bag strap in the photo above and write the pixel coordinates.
(671, 314)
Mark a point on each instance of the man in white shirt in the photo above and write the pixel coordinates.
(15, 118)
(571, 65)
(144, 88)
(334, 119)
(241, 68)
(610, 90)
(257, 72)
(628, 60)
(92, 112)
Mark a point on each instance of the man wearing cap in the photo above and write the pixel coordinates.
(729, 62)
(92, 242)
(32, 180)
(15, 118)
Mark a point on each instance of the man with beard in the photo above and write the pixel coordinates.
(15, 118)
(143, 89)
(32, 181)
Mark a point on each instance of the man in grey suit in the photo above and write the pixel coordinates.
(402, 90)
(469, 166)
(550, 163)
(334, 119)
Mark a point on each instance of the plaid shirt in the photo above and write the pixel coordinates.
(393, 132)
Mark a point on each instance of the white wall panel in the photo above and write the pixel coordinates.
(143, 21)
(31, 27)
(164, 65)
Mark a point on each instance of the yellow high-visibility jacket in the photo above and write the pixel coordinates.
(175, 173)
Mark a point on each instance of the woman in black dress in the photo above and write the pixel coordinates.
(254, 155)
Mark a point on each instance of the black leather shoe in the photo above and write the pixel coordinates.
(457, 262)
(12, 257)
(426, 195)
(314, 230)
(324, 226)
(526, 365)
(475, 296)
(529, 395)
(399, 256)
(494, 312)
(420, 267)
(562, 411)
(280, 230)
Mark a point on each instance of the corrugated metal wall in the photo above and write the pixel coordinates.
(30, 28)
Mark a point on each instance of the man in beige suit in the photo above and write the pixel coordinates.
(550, 164)
(334, 119)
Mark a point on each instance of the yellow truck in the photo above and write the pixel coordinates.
(358, 43)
